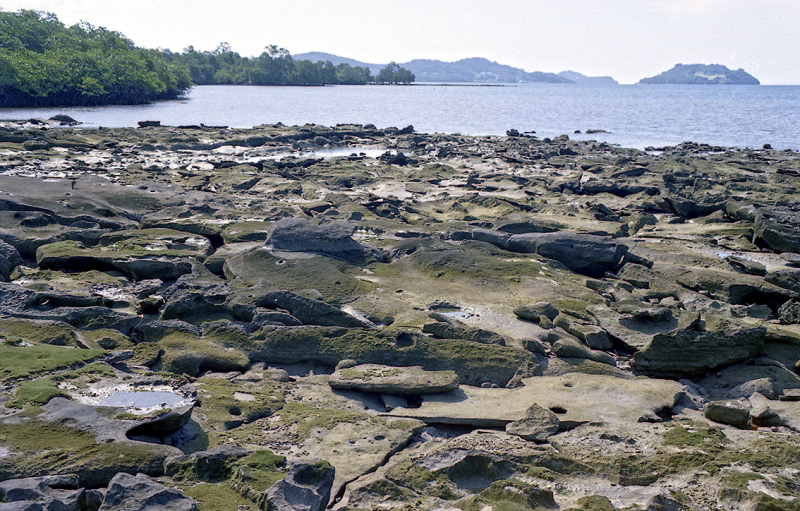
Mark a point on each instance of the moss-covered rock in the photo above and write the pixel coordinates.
(474, 363)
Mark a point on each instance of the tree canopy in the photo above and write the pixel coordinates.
(44, 63)
(275, 66)
(393, 73)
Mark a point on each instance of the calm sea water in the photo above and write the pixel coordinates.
(634, 115)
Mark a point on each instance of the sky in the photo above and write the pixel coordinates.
(626, 39)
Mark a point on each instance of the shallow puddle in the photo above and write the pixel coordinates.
(141, 399)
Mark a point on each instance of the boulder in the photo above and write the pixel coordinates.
(394, 380)
(570, 347)
(535, 311)
(538, 425)
(9, 259)
(47, 493)
(699, 348)
(731, 413)
(307, 487)
(778, 228)
(790, 312)
(140, 493)
(582, 253)
(331, 239)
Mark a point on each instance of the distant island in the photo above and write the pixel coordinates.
(472, 70)
(702, 74)
(582, 79)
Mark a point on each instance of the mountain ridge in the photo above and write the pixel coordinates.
(469, 70)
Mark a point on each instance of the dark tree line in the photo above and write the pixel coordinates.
(45, 63)
(275, 66)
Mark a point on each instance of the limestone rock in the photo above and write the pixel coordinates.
(779, 228)
(538, 425)
(575, 398)
(211, 465)
(394, 380)
(534, 311)
(331, 239)
(48, 492)
(731, 413)
(448, 331)
(697, 349)
(582, 253)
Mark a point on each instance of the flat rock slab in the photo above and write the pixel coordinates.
(575, 398)
(394, 380)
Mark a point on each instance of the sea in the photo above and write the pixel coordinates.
(637, 116)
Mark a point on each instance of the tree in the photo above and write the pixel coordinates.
(393, 73)
(44, 63)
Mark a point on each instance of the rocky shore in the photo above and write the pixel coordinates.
(309, 317)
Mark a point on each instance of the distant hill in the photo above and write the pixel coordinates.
(317, 56)
(587, 80)
(462, 71)
(702, 74)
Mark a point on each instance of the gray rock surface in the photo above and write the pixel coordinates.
(141, 493)
(307, 487)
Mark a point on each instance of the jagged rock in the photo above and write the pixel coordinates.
(9, 259)
(731, 413)
(747, 266)
(394, 380)
(538, 425)
(790, 312)
(787, 279)
(140, 493)
(778, 228)
(307, 487)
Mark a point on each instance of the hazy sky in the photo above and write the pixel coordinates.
(627, 39)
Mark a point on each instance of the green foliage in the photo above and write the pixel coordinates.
(275, 66)
(393, 73)
(45, 63)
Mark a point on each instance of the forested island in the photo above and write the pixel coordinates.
(702, 74)
(45, 63)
